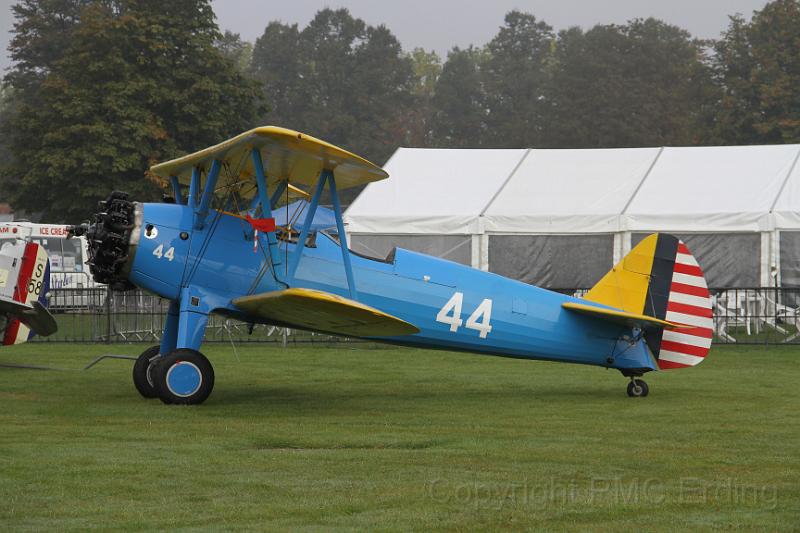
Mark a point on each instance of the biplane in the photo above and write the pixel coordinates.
(214, 246)
(24, 286)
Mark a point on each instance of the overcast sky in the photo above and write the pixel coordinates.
(441, 24)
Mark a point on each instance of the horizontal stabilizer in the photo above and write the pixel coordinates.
(621, 317)
(322, 311)
(33, 315)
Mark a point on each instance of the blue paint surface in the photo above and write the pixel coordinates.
(184, 379)
(218, 264)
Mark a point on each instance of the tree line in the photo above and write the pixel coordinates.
(101, 89)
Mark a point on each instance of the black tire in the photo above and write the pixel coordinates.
(637, 388)
(193, 382)
(142, 373)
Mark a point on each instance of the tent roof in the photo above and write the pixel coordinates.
(551, 187)
(787, 206)
(702, 189)
(718, 188)
(432, 191)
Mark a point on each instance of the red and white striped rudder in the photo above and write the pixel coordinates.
(689, 305)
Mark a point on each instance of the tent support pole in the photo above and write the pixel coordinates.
(475, 248)
(484, 246)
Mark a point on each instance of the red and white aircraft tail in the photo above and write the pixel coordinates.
(688, 304)
(24, 284)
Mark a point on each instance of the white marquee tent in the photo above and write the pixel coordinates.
(561, 218)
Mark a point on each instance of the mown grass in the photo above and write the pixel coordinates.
(342, 438)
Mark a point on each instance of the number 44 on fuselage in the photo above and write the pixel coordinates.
(215, 247)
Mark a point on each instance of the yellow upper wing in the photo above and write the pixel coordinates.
(322, 311)
(287, 155)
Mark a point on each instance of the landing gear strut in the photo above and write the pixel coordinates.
(637, 388)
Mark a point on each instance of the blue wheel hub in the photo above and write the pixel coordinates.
(184, 379)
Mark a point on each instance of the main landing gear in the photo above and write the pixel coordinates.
(182, 376)
(637, 388)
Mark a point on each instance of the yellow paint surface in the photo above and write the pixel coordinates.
(322, 311)
(286, 155)
(625, 286)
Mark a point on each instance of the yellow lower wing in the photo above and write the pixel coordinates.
(322, 311)
(621, 317)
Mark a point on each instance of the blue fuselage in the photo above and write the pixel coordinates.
(219, 262)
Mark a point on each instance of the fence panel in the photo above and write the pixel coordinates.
(759, 315)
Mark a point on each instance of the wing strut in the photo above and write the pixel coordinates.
(208, 193)
(194, 185)
(326, 176)
(176, 189)
(337, 211)
(266, 206)
(276, 196)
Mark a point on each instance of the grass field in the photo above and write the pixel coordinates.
(393, 439)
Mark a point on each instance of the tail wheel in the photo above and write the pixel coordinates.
(637, 388)
(143, 370)
(184, 377)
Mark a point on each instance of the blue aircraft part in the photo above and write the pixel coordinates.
(266, 206)
(276, 196)
(191, 328)
(216, 264)
(261, 183)
(526, 321)
(208, 193)
(193, 319)
(301, 240)
(169, 338)
(337, 211)
(194, 186)
(184, 379)
(632, 353)
(176, 189)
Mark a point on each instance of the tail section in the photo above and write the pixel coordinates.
(660, 278)
(24, 283)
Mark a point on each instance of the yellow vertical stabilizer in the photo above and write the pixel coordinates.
(625, 286)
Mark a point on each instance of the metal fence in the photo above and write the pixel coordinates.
(98, 315)
(743, 316)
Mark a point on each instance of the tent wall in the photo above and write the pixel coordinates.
(727, 259)
(456, 248)
(552, 261)
(790, 258)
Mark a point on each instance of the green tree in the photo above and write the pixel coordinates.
(757, 67)
(427, 67)
(338, 79)
(42, 33)
(139, 81)
(279, 66)
(235, 50)
(459, 102)
(515, 79)
(641, 84)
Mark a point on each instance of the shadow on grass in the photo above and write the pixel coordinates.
(358, 399)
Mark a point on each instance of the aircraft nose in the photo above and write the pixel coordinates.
(109, 237)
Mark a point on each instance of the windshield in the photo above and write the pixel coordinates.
(65, 254)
